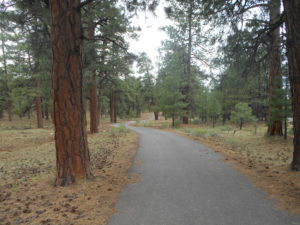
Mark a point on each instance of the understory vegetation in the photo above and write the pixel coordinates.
(27, 170)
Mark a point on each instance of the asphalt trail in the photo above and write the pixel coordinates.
(186, 183)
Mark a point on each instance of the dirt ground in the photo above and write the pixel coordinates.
(265, 160)
(27, 169)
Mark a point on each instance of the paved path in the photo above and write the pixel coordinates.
(186, 183)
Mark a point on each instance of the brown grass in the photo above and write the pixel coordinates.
(27, 168)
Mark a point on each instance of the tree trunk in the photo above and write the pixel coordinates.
(9, 112)
(156, 115)
(93, 88)
(72, 152)
(99, 108)
(173, 121)
(46, 112)
(38, 104)
(93, 105)
(187, 88)
(292, 9)
(113, 107)
(285, 110)
(43, 111)
(241, 123)
(275, 77)
(138, 108)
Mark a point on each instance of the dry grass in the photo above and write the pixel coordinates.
(266, 160)
(27, 168)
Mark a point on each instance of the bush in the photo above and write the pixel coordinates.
(242, 114)
(118, 131)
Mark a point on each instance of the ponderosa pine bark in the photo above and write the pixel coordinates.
(94, 105)
(99, 106)
(38, 104)
(275, 77)
(292, 12)
(72, 152)
(93, 88)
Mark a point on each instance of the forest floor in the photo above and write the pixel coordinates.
(265, 160)
(27, 170)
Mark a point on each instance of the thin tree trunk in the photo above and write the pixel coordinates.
(93, 88)
(173, 121)
(99, 108)
(241, 124)
(285, 110)
(292, 9)
(72, 152)
(156, 115)
(185, 118)
(9, 110)
(113, 107)
(94, 105)
(275, 77)
(38, 104)
(43, 111)
(46, 112)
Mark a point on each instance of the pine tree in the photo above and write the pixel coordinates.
(73, 158)
(242, 114)
(292, 10)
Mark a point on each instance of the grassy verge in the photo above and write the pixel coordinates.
(266, 160)
(27, 168)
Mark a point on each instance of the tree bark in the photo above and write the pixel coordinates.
(93, 88)
(93, 105)
(275, 77)
(292, 9)
(99, 107)
(72, 152)
(38, 104)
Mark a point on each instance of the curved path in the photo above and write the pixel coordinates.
(186, 183)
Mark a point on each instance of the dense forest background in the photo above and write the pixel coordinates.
(62, 58)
